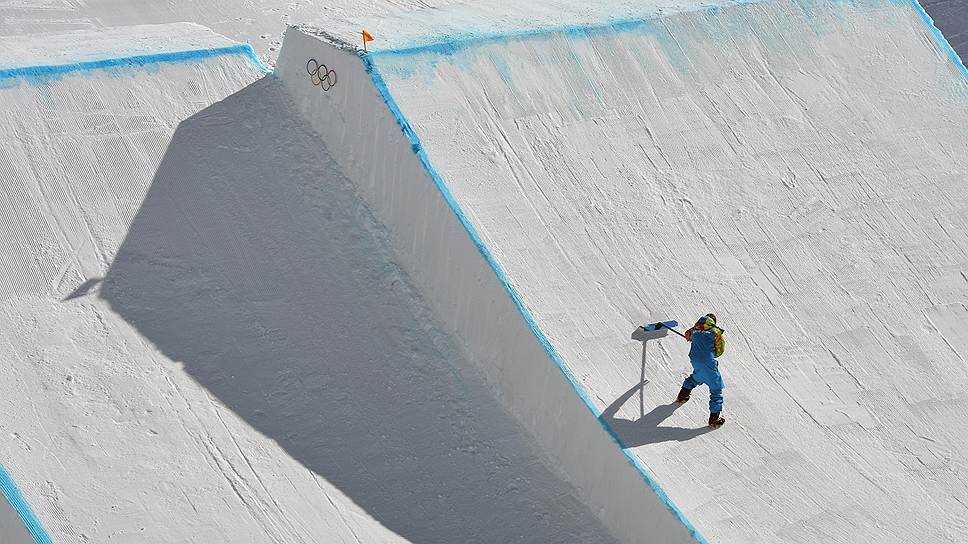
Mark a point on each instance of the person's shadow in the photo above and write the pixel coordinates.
(646, 429)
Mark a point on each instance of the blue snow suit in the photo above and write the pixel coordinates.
(705, 367)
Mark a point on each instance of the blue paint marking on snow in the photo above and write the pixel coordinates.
(16, 500)
(418, 149)
(451, 45)
(58, 70)
(503, 68)
(454, 43)
(942, 41)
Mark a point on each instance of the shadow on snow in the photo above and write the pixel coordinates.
(253, 262)
(646, 429)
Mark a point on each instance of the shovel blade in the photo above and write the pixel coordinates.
(651, 331)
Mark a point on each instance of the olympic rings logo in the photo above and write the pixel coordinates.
(321, 75)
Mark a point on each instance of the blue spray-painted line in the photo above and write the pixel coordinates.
(453, 44)
(16, 499)
(57, 70)
(418, 149)
(942, 41)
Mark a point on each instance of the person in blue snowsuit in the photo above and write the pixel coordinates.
(707, 344)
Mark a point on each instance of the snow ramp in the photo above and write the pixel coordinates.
(796, 167)
(85, 118)
(203, 336)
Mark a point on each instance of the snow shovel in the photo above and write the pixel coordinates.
(655, 330)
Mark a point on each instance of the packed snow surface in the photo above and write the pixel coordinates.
(205, 339)
(206, 334)
(795, 167)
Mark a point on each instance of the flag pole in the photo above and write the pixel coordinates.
(364, 41)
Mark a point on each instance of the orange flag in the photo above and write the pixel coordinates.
(367, 37)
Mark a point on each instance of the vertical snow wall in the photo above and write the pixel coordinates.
(797, 166)
(436, 243)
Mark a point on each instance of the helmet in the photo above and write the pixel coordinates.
(707, 321)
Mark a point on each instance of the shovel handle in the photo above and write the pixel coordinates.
(660, 325)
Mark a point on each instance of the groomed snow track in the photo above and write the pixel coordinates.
(264, 308)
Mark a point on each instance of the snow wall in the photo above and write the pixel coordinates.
(438, 246)
(796, 166)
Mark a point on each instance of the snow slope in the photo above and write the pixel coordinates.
(204, 336)
(208, 336)
(795, 166)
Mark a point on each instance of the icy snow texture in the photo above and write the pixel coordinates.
(204, 338)
(796, 167)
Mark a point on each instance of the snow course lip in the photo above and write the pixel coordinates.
(191, 55)
(450, 44)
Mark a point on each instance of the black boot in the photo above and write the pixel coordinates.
(683, 395)
(715, 420)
